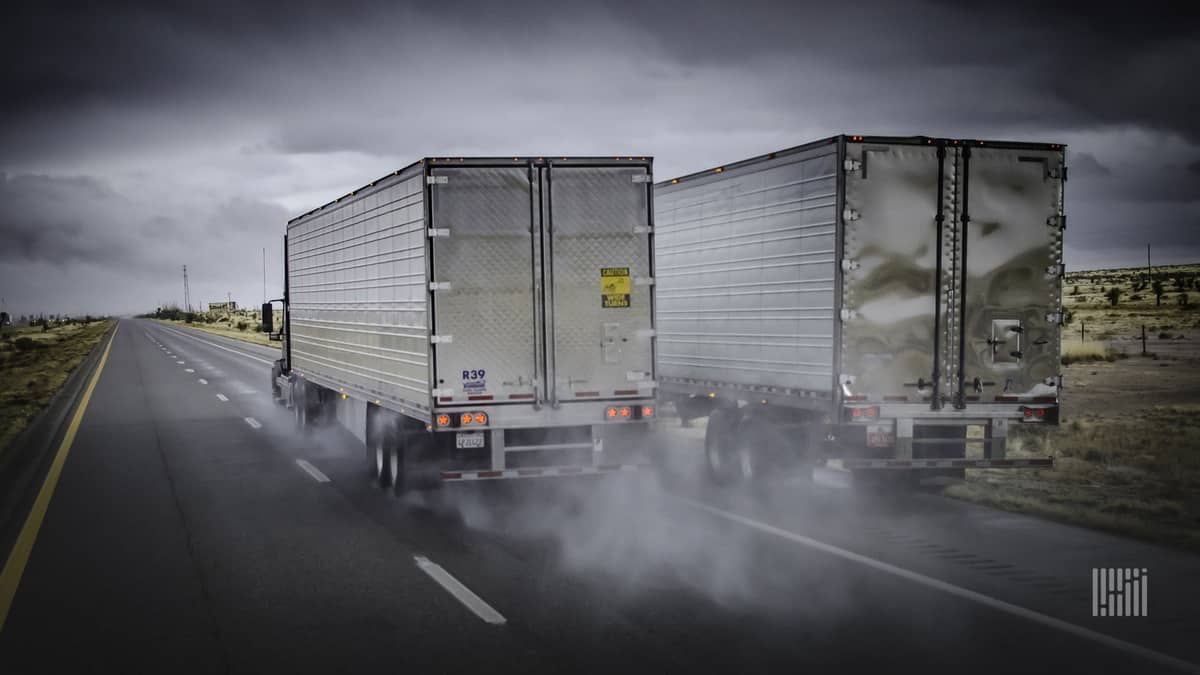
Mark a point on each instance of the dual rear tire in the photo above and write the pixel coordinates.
(398, 458)
(731, 455)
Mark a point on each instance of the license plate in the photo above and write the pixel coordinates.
(880, 437)
(469, 439)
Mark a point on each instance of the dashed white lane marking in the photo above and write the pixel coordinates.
(460, 592)
(203, 381)
(958, 591)
(179, 362)
(217, 346)
(223, 397)
(313, 471)
(253, 422)
(189, 370)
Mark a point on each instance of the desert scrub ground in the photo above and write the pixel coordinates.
(238, 327)
(33, 367)
(1112, 307)
(1127, 454)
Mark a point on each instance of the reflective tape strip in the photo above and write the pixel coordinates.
(542, 472)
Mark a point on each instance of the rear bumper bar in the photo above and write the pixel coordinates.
(916, 464)
(452, 476)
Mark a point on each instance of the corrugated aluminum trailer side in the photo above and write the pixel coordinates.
(478, 318)
(866, 297)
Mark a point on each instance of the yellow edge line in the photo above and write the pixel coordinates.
(14, 567)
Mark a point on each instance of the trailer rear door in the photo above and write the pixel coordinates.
(891, 330)
(483, 279)
(1012, 198)
(599, 250)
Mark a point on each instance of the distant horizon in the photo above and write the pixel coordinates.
(255, 306)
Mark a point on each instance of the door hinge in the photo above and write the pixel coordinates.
(438, 393)
(437, 180)
(441, 339)
(850, 214)
(642, 229)
(848, 314)
(1059, 221)
(850, 165)
(1054, 318)
(439, 285)
(646, 332)
(1056, 270)
(643, 178)
(849, 264)
(636, 375)
(434, 232)
(643, 281)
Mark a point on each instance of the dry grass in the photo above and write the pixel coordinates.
(1077, 352)
(1127, 454)
(30, 377)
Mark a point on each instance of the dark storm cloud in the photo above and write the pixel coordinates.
(142, 136)
(1086, 164)
(50, 220)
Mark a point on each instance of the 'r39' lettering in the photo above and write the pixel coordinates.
(473, 374)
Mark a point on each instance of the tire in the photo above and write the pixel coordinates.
(300, 406)
(385, 460)
(415, 470)
(719, 439)
(276, 371)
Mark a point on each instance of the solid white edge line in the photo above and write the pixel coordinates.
(312, 471)
(213, 344)
(460, 592)
(223, 397)
(986, 600)
(253, 422)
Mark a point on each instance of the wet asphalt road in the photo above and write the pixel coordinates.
(185, 536)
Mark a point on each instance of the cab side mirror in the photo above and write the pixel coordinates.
(268, 318)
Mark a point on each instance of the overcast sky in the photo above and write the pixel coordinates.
(136, 139)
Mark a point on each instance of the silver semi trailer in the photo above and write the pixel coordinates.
(860, 301)
(477, 318)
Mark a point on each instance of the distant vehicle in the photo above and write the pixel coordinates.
(477, 318)
(859, 301)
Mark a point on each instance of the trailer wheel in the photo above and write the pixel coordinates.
(276, 371)
(415, 470)
(386, 459)
(300, 407)
(720, 457)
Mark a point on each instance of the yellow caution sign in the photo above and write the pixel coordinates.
(614, 287)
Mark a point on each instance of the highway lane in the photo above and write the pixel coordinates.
(184, 537)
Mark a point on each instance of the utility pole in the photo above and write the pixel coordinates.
(187, 298)
(1149, 274)
(264, 299)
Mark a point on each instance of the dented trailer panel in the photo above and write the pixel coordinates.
(918, 273)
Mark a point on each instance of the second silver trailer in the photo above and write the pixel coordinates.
(478, 318)
(863, 300)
